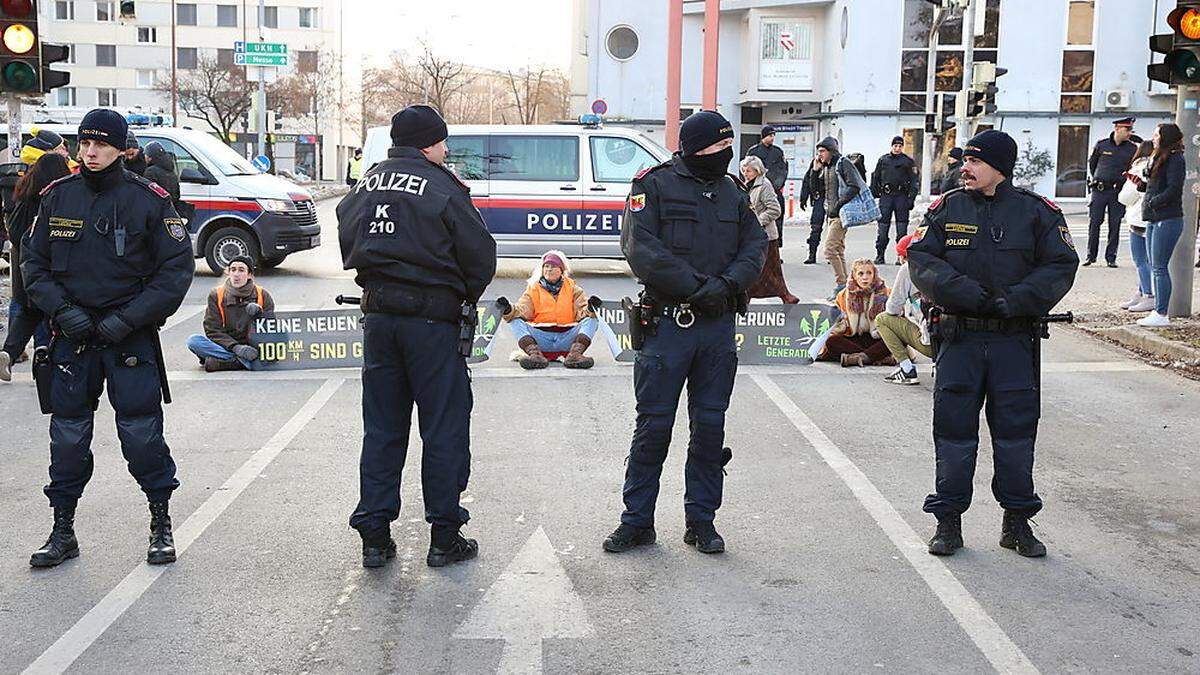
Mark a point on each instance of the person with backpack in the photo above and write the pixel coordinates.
(233, 307)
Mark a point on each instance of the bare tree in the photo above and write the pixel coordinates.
(310, 91)
(216, 92)
(538, 94)
(421, 78)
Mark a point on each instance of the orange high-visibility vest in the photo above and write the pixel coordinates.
(551, 310)
(258, 292)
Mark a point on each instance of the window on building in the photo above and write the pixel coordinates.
(948, 66)
(618, 160)
(306, 60)
(1079, 58)
(105, 11)
(528, 158)
(106, 97)
(65, 96)
(187, 58)
(64, 10)
(145, 79)
(308, 17)
(622, 43)
(1081, 21)
(1072, 161)
(71, 55)
(227, 15)
(185, 14)
(147, 34)
(270, 17)
(468, 157)
(225, 58)
(106, 55)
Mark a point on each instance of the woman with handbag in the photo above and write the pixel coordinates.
(765, 206)
(1131, 196)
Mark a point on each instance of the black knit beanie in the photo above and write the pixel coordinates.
(702, 130)
(106, 126)
(418, 126)
(995, 148)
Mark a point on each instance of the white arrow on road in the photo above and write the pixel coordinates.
(533, 600)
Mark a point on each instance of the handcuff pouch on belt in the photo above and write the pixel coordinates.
(468, 319)
(43, 374)
(643, 319)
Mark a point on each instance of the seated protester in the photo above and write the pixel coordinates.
(552, 317)
(232, 308)
(854, 339)
(904, 323)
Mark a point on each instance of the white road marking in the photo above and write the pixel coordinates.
(532, 600)
(60, 655)
(184, 313)
(1004, 655)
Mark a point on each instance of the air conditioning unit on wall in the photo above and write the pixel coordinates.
(1116, 99)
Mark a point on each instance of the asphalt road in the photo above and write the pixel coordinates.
(826, 569)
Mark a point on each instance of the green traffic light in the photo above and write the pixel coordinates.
(19, 76)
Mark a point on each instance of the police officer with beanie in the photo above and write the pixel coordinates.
(420, 250)
(1110, 159)
(894, 182)
(995, 258)
(109, 260)
(690, 238)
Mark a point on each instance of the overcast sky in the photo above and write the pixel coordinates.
(493, 33)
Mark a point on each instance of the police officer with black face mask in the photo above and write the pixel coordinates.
(994, 258)
(690, 238)
(109, 260)
(421, 251)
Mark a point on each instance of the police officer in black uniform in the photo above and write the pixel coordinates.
(109, 260)
(995, 258)
(420, 250)
(952, 176)
(1111, 158)
(812, 196)
(894, 182)
(690, 238)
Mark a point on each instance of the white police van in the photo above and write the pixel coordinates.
(239, 210)
(542, 187)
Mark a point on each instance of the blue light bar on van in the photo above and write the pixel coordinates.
(591, 120)
(138, 118)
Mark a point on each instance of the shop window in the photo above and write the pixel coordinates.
(1071, 180)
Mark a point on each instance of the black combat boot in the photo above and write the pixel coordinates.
(1016, 534)
(948, 537)
(62, 543)
(812, 256)
(162, 542)
(626, 537)
(702, 535)
(447, 546)
(378, 547)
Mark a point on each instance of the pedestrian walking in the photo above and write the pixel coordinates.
(108, 260)
(812, 196)
(696, 247)
(776, 170)
(1162, 210)
(843, 181)
(952, 176)
(994, 258)
(354, 168)
(765, 206)
(895, 183)
(1110, 159)
(423, 256)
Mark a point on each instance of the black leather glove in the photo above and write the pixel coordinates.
(594, 303)
(985, 301)
(75, 323)
(713, 296)
(253, 310)
(113, 329)
(245, 352)
(999, 307)
(503, 304)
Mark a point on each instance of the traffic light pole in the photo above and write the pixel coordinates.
(931, 95)
(14, 128)
(1187, 116)
(963, 125)
(262, 86)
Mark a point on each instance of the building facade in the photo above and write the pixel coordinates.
(857, 70)
(121, 56)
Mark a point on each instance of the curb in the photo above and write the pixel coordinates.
(1151, 342)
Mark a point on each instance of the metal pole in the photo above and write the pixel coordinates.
(174, 71)
(964, 124)
(14, 128)
(1187, 116)
(939, 15)
(674, 71)
(712, 42)
(262, 85)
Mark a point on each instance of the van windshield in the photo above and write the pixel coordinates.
(222, 156)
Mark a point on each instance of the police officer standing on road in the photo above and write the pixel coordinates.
(777, 169)
(894, 182)
(1111, 158)
(995, 258)
(421, 251)
(109, 260)
(690, 238)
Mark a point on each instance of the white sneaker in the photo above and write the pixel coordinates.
(1137, 297)
(1155, 320)
(5, 367)
(1146, 304)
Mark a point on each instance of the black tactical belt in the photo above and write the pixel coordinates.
(684, 315)
(995, 325)
(1101, 186)
(433, 303)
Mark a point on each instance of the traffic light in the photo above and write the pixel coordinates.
(981, 100)
(53, 79)
(1181, 48)
(19, 51)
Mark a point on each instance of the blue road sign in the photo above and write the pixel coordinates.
(262, 163)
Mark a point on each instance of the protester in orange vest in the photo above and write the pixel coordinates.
(552, 317)
(233, 307)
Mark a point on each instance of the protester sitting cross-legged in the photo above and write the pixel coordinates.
(854, 339)
(552, 317)
(233, 307)
(903, 323)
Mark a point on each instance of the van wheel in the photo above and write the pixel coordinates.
(271, 263)
(226, 244)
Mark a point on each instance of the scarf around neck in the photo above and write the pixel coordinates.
(553, 288)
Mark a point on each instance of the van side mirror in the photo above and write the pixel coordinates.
(190, 175)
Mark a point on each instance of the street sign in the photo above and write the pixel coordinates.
(599, 106)
(240, 46)
(262, 163)
(272, 60)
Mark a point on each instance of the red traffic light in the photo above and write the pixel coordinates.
(17, 9)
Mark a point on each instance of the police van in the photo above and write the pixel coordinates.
(542, 187)
(239, 210)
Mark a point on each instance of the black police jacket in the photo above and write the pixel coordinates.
(411, 222)
(951, 178)
(812, 187)
(679, 230)
(776, 163)
(1110, 161)
(1014, 245)
(895, 175)
(118, 246)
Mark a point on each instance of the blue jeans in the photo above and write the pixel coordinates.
(550, 341)
(22, 322)
(1141, 260)
(203, 347)
(1161, 237)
